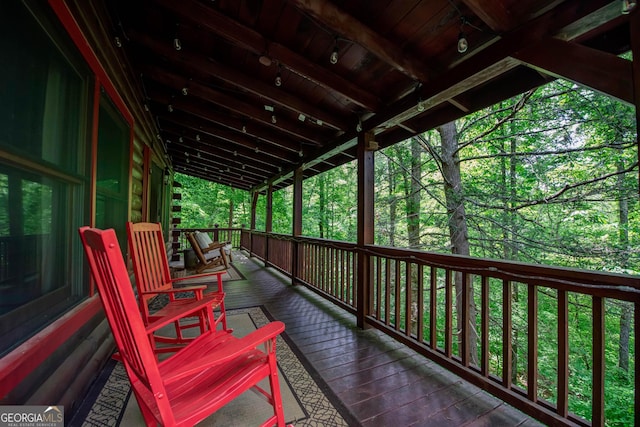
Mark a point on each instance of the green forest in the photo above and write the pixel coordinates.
(548, 177)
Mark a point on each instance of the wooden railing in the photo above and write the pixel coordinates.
(479, 318)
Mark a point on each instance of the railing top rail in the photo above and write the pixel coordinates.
(597, 283)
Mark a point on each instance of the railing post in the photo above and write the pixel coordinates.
(365, 156)
(216, 233)
(297, 225)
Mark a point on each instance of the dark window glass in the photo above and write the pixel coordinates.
(44, 116)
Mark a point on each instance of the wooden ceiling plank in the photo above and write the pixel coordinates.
(258, 45)
(349, 27)
(254, 163)
(198, 126)
(492, 13)
(232, 103)
(207, 66)
(600, 71)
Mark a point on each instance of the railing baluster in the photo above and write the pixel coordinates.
(484, 306)
(420, 303)
(378, 286)
(464, 332)
(398, 295)
(387, 292)
(343, 296)
(563, 354)
(408, 299)
(532, 343)
(448, 322)
(507, 327)
(597, 417)
(433, 309)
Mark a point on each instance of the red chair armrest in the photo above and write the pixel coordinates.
(185, 311)
(226, 352)
(175, 290)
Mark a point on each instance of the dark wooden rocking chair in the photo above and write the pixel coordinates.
(153, 278)
(214, 255)
(201, 377)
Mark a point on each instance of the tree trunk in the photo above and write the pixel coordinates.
(322, 215)
(457, 226)
(413, 199)
(393, 203)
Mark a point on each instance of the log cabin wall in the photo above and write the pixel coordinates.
(59, 362)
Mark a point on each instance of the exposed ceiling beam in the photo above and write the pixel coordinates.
(198, 126)
(251, 127)
(347, 26)
(257, 112)
(254, 42)
(492, 13)
(598, 70)
(493, 61)
(239, 157)
(202, 65)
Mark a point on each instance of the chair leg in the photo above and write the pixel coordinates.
(274, 383)
(224, 258)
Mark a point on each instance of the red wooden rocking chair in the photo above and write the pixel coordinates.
(153, 278)
(201, 377)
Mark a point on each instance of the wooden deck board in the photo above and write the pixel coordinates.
(380, 381)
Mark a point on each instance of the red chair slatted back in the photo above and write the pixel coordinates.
(116, 293)
(149, 258)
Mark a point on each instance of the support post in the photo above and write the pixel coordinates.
(365, 157)
(252, 226)
(268, 223)
(634, 28)
(297, 225)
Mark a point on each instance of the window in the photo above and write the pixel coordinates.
(43, 185)
(112, 186)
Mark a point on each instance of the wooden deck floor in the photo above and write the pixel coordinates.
(378, 381)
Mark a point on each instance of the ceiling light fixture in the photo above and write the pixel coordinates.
(334, 55)
(628, 6)
(185, 91)
(177, 44)
(170, 108)
(278, 81)
(302, 117)
(180, 139)
(463, 43)
(359, 126)
(273, 119)
(198, 137)
(265, 60)
(118, 41)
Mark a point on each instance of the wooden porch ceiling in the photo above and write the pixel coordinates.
(398, 72)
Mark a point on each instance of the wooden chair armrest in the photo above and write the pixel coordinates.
(212, 246)
(199, 276)
(187, 310)
(175, 290)
(225, 352)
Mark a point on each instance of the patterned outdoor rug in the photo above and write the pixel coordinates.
(305, 403)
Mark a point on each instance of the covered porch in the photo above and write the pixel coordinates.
(260, 96)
